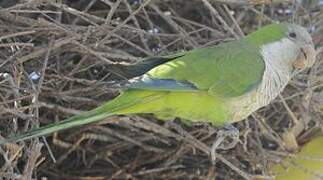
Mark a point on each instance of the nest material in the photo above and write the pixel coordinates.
(57, 60)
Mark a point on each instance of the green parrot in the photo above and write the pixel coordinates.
(218, 84)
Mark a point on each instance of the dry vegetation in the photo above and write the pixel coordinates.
(57, 59)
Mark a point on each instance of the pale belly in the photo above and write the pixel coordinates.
(199, 107)
(206, 108)
(243, 106)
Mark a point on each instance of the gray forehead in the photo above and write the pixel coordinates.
(301, 32)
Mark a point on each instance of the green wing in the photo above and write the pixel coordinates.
(229, 69)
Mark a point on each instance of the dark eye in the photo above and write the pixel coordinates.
(292, 35)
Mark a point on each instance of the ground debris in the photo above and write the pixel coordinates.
(58, 58)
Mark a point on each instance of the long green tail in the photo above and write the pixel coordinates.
(119, 105)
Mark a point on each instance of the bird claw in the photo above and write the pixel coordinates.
(226, 139)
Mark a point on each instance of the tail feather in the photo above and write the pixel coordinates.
(78, 120)
(118, 105)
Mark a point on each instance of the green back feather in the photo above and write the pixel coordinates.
(268, 34)
(229, 69)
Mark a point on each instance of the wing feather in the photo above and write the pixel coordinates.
(229, 69)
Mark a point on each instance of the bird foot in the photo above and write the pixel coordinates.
(226, 139)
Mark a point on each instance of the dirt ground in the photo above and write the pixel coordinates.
(57, 59)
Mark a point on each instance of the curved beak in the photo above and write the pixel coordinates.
(305, 58)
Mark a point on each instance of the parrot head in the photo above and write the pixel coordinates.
(303, 41)
(285, 47)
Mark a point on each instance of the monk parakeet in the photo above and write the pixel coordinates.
(218, 84)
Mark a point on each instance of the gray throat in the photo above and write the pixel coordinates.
(278, 57)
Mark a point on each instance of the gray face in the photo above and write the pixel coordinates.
(303, 40)
(299, 34)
